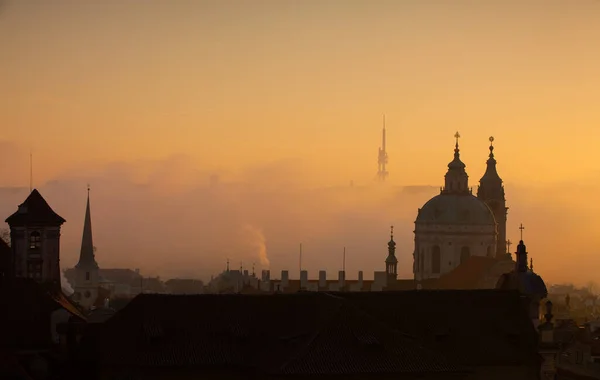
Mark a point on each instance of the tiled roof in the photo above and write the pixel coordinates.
(467, 275)
(26, 307)
(35, 210)
(270, 334)
(471, 327)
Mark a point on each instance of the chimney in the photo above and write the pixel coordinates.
(342, 279)
(360, 280)
(266, 275)
(304, 279)
(322, 279)
(284, 278)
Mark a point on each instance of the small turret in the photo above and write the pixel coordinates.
(391, 262)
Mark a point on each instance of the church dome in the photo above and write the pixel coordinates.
(456, 209)
(523, 278)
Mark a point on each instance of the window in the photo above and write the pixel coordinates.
(87, 276)
(436, 259)
(34, 269)
(35, 240)
(465, 253)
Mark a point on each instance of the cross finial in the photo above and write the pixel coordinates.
(457, 136)
(521, 228)
(508, 244)
(392, 232)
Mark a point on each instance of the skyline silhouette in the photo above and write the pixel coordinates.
(256, 117)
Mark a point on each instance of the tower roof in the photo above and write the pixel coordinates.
(491, 174)
(86, 255)
(391, 259)
(456, 178)
(35, 210)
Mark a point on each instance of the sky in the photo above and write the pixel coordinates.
(282, 101)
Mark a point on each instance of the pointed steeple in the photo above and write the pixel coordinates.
(491, 191)
(491, 176)
(87, 258)
(391, 262)
(457, 180)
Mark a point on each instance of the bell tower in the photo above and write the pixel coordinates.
(86, 270)
(35, 240)
(491, 191)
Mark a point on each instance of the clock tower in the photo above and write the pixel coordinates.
(491, 191)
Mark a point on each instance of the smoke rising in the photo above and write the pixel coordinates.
(65, 285)
(169, 218)
(256, 239)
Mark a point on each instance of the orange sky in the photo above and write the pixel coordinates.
(165, 88)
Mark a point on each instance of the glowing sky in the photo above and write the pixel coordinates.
(100, 90)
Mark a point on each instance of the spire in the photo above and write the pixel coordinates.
(531, 264)
(86, 255)
(491, 176)
(521, 265)
(457, 180)
(391, 262)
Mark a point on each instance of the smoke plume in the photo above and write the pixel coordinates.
(256, 238)
(65, 285)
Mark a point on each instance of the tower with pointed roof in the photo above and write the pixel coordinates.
(391, 262)
(35, 240)
(87, 271)
(491, 191)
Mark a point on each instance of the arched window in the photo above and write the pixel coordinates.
(436, 259)
(465, 253)
(35, 239)
(489, 251)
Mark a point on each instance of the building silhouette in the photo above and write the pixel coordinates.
(87, 274)
(35, 240)
(452, 226)
(491, 191)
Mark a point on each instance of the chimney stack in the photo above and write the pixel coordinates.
(304, 279)
(284, 278)
(322, 279)
(342, 279)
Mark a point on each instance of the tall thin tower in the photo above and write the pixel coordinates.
(382, 159)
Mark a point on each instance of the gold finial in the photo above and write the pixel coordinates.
(392, 232)
(88, 187)
(491, 140)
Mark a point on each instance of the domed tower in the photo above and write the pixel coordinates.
(491, 191)
(391, 262)
(525, 281)
(452, 226)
